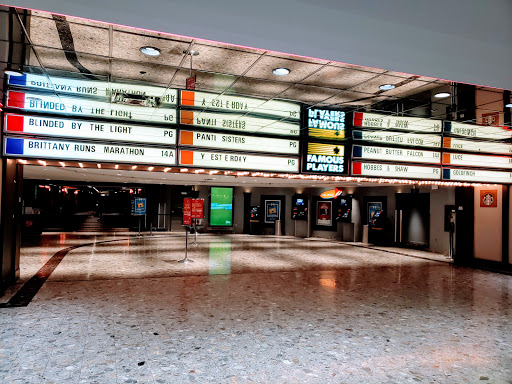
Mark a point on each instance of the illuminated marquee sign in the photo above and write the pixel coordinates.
(238, 142)
(398, 138)
(395, 154)
(238, 161)
(326, 124)
(477, 146)
(331, 194)
(87, 87)
(228, 103)
(477, 176)
(49, 126)
(477, 160)
(241, 123)
(395, 171)
(416, 124)
(74, 150)
(50, 103)
(478, 131)
(325, 158)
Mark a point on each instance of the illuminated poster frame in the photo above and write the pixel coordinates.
(87, 87)
(234, 142)
(406, 123)
(87, 151)
(76, 106)
(322, 218)
(240, 123)
(326, 124)
(238, 161)
(239, 104)
(395, 171)
(325, 159)
(477, 131)
(398, 138)
(272, 211)
(225, 205)
(400, 155)
(67, 128)
(452, 143)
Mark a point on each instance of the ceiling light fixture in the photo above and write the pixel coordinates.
(63, 164)
(509, 105)
(167, 169)
(81, 165)
(150, 51)
(43, 163)
(134, 167)
(387, 87)
(280, 71)
(116, 166)
(442, 94)
(22, 161)
(151, 168)
(99, 165)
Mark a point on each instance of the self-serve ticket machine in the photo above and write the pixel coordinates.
(344, 209)
(299, 207)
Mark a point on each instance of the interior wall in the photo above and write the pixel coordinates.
(439, 239)
(510, 227)
(488, 227)
(492, 104)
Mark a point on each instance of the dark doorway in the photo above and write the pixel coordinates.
(412, 219)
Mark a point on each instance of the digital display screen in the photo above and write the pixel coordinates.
(221, 206)
(299, 202)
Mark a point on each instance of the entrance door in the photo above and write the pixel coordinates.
(412, 220)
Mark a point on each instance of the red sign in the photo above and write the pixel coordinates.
(488, 198)
(197, 208)
(191, 83)
(187, 211)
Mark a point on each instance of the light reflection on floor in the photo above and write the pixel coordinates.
(255, 310)
(220, 256)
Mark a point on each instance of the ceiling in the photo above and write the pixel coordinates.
(67, 46)
(70, 46)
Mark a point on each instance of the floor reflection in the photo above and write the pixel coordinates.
(220, 256)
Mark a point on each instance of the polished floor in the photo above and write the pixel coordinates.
(120, 309)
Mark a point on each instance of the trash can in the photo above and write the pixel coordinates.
(278, 228)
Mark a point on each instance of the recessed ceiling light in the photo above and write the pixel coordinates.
(387, 87)
(280, 71)
(509, 105)
(442, 94)
(150, 51)
(190, 52)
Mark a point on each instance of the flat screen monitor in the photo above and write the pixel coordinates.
(221, 206)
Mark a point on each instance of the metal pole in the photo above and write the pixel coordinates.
(195, 232)
(186, 259)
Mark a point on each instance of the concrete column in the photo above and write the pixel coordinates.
(10, 221)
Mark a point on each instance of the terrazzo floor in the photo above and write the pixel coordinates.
(253, 310)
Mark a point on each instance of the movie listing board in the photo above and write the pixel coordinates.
(94, 88)
(244, 127)
(387, 146)
(90, 120)
(396, 146)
